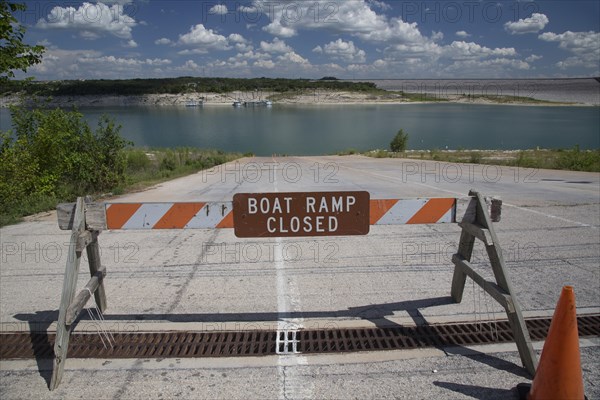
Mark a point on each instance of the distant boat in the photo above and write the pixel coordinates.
(237, 103)
(259, 103)
(193, 103)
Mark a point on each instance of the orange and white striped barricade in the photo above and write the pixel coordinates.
(286, 214)
(215, 215)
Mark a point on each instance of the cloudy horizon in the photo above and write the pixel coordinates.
(349, 39)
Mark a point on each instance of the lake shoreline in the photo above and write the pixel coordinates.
(328, 128)
(316, 98)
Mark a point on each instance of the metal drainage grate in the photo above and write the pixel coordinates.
(257, 343)
(143, 345)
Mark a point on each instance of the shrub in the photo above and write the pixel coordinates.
(137, 160)
(347, 152)
(400, 142)
(169, 162)
(475, 157)
(55, 154)
(577, 160)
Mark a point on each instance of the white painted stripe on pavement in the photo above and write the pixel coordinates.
(292, 384)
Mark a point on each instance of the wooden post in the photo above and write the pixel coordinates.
(515, 316)
(82, 297)
(82, 237)
(61, 345)
(459, 279)
(93, 253)
(501, 290)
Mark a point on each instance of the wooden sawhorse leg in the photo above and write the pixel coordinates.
(501, 290)
(70, 306)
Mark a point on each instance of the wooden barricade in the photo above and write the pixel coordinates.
(82, 238)
(474, 214)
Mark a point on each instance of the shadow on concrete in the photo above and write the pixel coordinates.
(487, 359)
(479, 392)
(42, 347)
(376, 313)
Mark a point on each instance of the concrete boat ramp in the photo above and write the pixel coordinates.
(196, 280)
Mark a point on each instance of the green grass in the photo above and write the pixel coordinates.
(28, 206)
(510, 100)
(145, 167)
(348, 152)
(562, 159)
(417, 97)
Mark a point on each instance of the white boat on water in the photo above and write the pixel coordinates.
(258, 103)
(237, 103)
(193, 103)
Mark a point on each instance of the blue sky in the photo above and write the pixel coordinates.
(119, 39)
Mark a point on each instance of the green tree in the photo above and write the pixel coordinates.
(14, 54)
(53, 155)
(400, 142)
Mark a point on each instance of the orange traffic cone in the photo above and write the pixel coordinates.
(558, 375)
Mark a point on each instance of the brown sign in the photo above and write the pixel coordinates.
(300, 214)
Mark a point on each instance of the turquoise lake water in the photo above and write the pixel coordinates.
(325, 129)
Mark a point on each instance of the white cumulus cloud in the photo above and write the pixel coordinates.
(90, 20)
(584, 46)
(471, 50)
(437, 36)
(201, 40)
(533, 24)
(396, 31)
(276, 46)
(576, 42)
(341, 50)
(219, 9)
(188, 66)
(237, 38)
(267, 64)
(275, 28)
(294, 58)
(533, 58)
(287, 18)
(122, 62)
(359, 18)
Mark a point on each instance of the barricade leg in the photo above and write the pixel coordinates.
(500, 290)
(71, 305)
(61, 345)
(459, 279)
(93, 253)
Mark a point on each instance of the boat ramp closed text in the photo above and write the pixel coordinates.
(301, 214)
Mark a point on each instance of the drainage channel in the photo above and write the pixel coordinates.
(258, 343)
